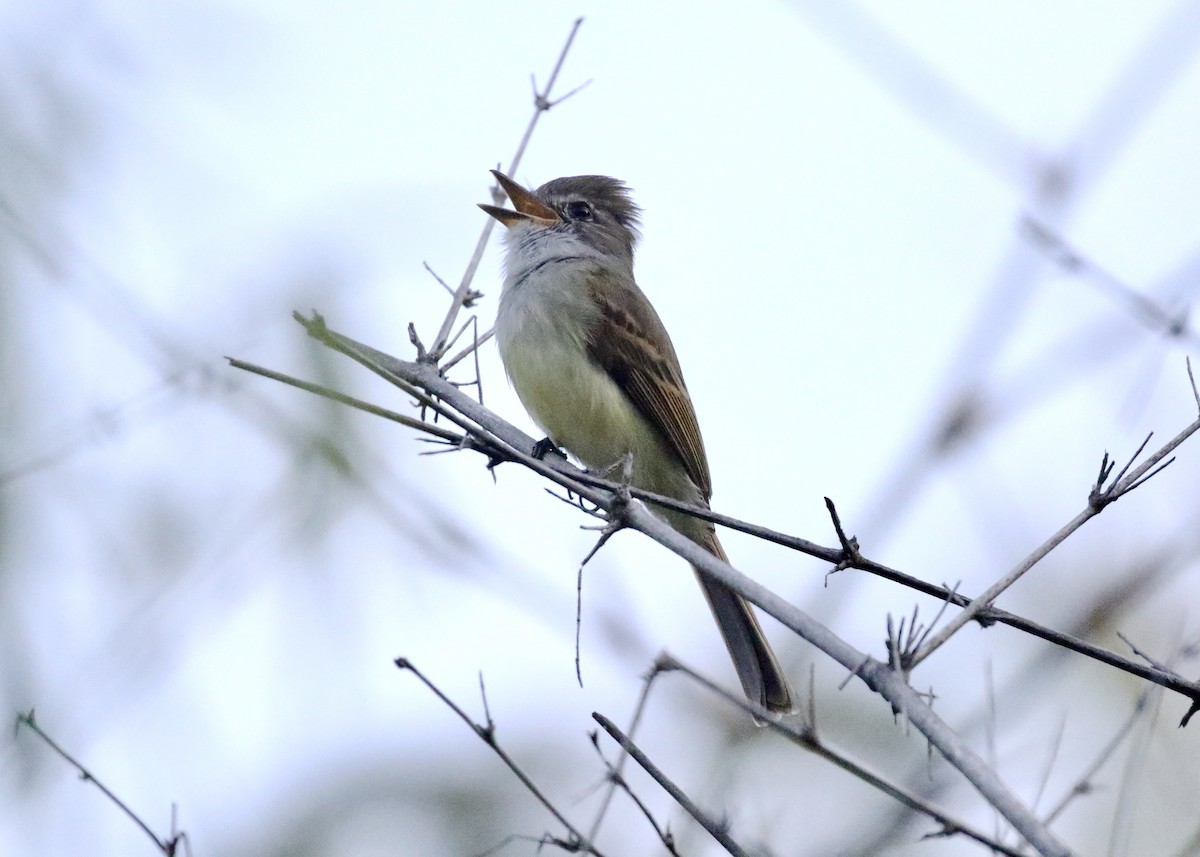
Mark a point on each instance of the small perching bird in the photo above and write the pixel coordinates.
(594, 366)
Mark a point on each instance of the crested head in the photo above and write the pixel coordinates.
(610, 197)
(597, 209)
(593, 214)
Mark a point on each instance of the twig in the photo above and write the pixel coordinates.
(473, 348)
(1083, 785)
(168, 847)
(482, 437)
(1098, 499)
(1055, 749)
(634, 723)
(342, 398)
(1192, 379)
(879, 677)
(446, 286)
(1158, 665)
(487, 732)
(1136, 761)
(806, 737)
(1147, 311)
(850, 555)
(718, 830)
(541, 103)
(617, 781)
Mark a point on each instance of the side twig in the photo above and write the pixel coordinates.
(481, 437)
(617, 781)
(169, 846)
(1099, 498)
(467, 413)
(718, 830)
(541, 103)
(806, 736)
(619, 767)
(576, 843)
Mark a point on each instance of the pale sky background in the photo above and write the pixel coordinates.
(204, 609)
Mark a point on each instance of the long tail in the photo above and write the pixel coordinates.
(761, 676)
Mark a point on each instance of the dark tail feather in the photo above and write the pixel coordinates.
(761, 676)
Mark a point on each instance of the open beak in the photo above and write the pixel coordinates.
(529, 209)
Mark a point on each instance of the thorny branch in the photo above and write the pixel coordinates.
(423, 382)
(576, 843)
(541, 103)
(617, 779)
(482, 441)
(478, 435)
(714, 827)
(1099, 498)
(805, 735)
(169, 846)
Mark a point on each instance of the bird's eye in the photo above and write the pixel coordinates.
(579, 210)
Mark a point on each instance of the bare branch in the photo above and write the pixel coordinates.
(484, 438)
(487, 732)
(805, 736)
(1098, 500)
(169, 846)
(878, 676)
(635, 722)
(617, 781)
(717, 829)
(541, 103)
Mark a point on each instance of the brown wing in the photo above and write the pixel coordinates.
(633, 347)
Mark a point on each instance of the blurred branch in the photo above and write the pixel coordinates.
(1052, 183)
(617, 781)
(1173, 325)
(487, 732)
(169, 847)
(717, 829)
(947, 108)
(617, 770)
(1085, 783)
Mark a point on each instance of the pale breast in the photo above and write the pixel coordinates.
(582, 410)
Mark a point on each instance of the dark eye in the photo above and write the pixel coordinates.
(579, 210)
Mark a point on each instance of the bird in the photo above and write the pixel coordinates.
(592, 363)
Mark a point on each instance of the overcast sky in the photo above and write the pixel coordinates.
(836, 204)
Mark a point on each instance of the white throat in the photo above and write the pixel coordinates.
(531, 250)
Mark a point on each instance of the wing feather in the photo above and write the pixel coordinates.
(630, 343)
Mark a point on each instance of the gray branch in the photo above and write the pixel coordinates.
(424, 380)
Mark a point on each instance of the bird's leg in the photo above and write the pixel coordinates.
(620, 470)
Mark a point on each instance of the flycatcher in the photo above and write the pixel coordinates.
(594, 366)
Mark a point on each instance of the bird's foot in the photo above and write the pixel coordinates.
(545, 447)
